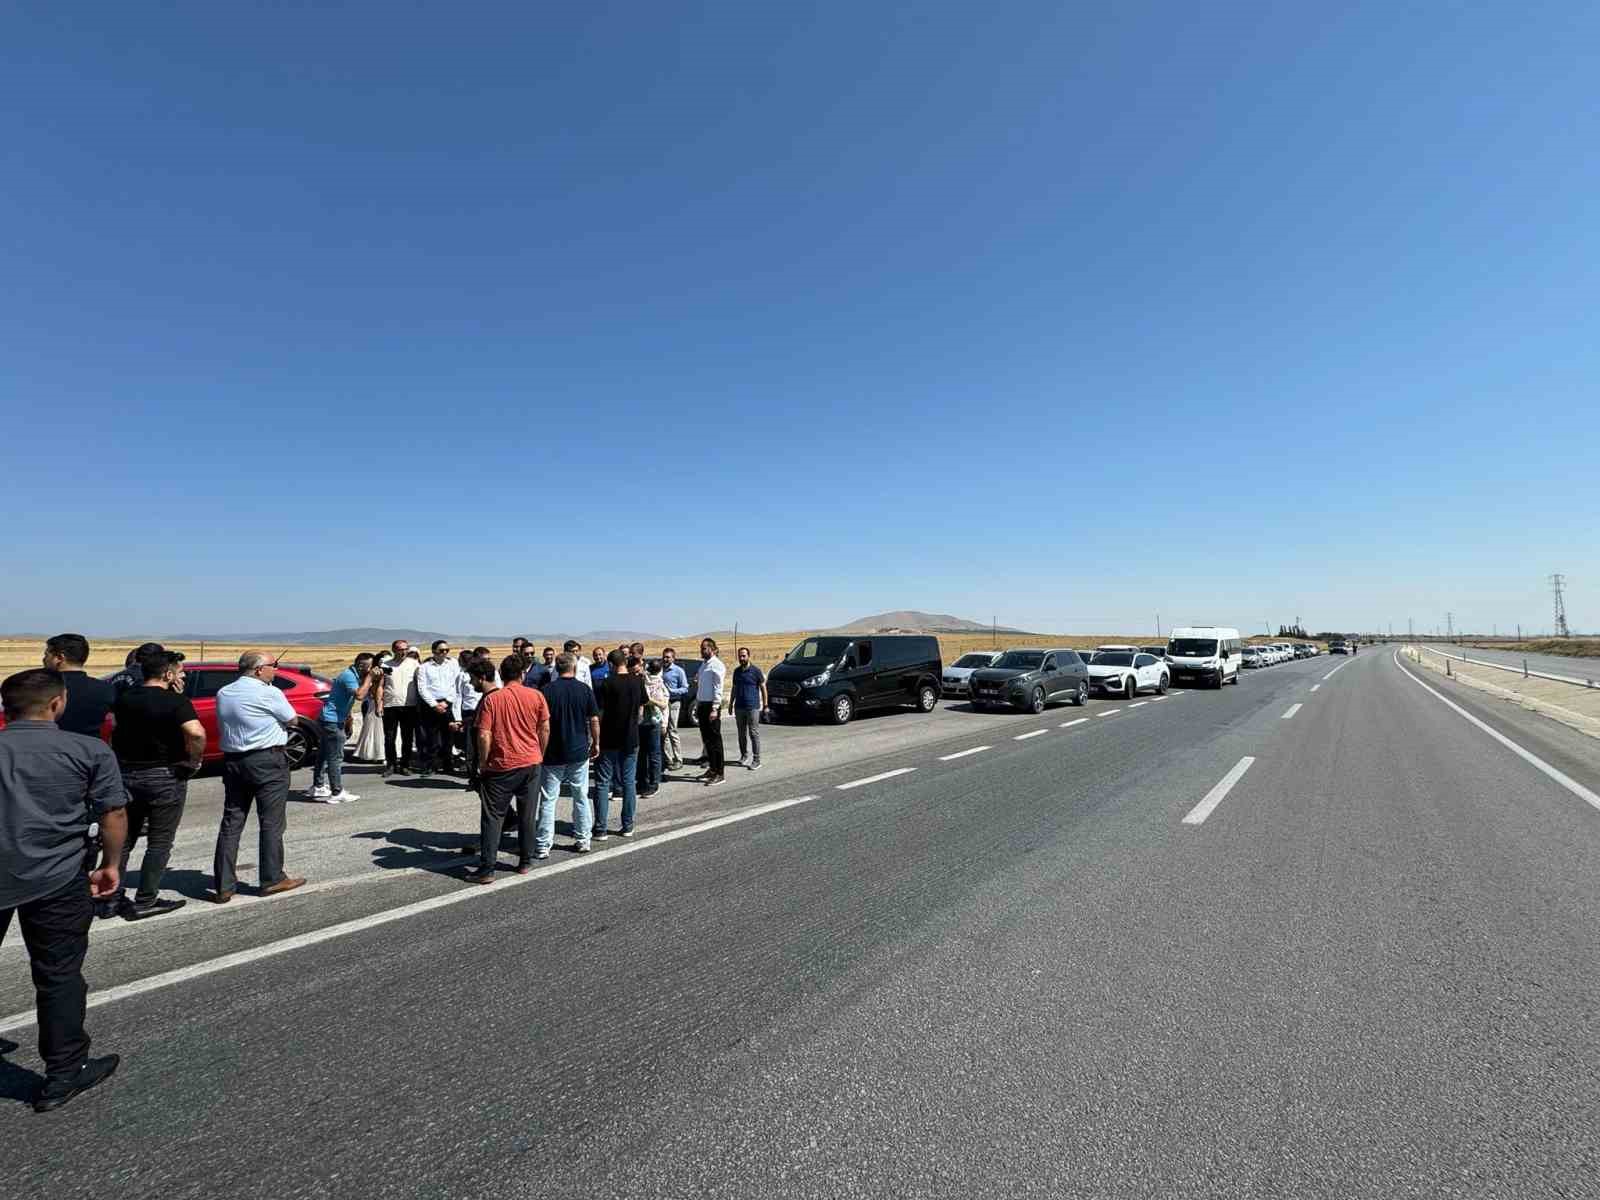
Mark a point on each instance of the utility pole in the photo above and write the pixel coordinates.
(994, 631)
(1158, 627)
(1449, 627)
(1558, 583)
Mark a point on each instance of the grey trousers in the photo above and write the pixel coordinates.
(259, 777)
(749, 722)
(671, 747)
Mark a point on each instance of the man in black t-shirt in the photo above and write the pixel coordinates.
(159, 743)
(88, 699)
(621, 697)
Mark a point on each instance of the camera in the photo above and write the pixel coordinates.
(387, 670)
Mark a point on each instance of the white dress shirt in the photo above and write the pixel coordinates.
(440, 681)
(708, 684)
(251, 715)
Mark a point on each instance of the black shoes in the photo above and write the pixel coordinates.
(481, 876)
(57, 1092)
(139, 910)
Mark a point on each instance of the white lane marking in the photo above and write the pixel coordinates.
(1201, 811)
(1022, 737)
(1561, 777)
(1293, 708)
(1141, 704)
(963, 753)
(1337, 669)
(1315, 686)
(462, 895)
(1154, 699)
(1110, 712)
(855, 783)
(1079, 721)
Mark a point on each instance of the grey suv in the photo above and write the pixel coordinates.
(1031, 679)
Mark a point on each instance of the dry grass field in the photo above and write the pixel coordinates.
(765, 649)
(1573, 647)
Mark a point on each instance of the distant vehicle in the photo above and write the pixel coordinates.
(1304, 650)
(1031, 679)
(1252, 656)
(838, 676)
(1208, 654)
(1127, 673)
(955, 681)
(1118, 647)
(1338, 646)
(1158, 651)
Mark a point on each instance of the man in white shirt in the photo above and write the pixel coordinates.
(708, 709)
(400, 709)
(581, 665)
(253, 719)
(439, 709)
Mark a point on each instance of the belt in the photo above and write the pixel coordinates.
(231, 755)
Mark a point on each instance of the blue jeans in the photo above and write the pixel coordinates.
(649, 757)
(551, 779)
(612, 764)
(330, 757)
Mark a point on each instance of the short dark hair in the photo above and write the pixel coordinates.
(481, 651)
(616, 658)
(482, 668)
(30, 691)
(571, 644)
(633, 661)
(73, 647)
(551, 649)
(153, 664)
(669, 650)
(365, 656)
(141, 648)
(636, 648)
(437, 642)
(654, 666)
(712, 642)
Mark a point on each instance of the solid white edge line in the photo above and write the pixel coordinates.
(1337, 669)
(1561, 777)
(467, 892)
(1141, 704)
(1022, 737)
(1201, 811)
(963, 753)
(1110, 712)
(1293, 708)
(1079, 721)
(855, 783)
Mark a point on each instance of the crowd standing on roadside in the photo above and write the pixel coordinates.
(521, 731)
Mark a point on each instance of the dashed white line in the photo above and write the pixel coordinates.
(139, 987)
(1565, 780)
(1154, 699)
(855, 783)
(1022, 737)
(1337, 669)
(1315, 686)
(962, 753)
(1293, 708)
(1214, 797)
(1141, 704)
(1079, 721)
(1110, 712)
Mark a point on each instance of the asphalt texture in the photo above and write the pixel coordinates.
(1550, 664)
(1369, 972)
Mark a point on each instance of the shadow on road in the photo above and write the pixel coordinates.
(17, 1083)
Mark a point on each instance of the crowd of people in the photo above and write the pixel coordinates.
(520, 732)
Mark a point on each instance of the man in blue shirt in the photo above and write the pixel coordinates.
(350, 687)
(677, 681)
(749, 701)
(574, 743)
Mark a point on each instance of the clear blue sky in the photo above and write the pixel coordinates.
(500, 316)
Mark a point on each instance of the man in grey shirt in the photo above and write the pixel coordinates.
(52, 785)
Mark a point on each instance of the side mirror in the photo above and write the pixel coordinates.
(1224, 654)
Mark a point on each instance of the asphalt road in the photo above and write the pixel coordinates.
(1550, 664)
(1368, 972)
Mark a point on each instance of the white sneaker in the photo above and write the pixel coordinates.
(321, 792)
(343, 797)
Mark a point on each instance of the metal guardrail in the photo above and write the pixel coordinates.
(1522, 670)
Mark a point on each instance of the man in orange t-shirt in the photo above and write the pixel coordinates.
(513, 730)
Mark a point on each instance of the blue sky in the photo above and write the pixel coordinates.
(500, 316)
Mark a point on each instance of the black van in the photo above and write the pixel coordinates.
(836, 676)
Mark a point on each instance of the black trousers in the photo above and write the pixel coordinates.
(434, 749)
(710, 736)
(499, 788)
(55, 929)
(156, 798)
(401, 719)
(259, 777)
(468, 740)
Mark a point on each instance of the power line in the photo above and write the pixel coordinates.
(1558, 583)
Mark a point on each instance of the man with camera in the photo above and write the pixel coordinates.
(350, 687)
(159, 743)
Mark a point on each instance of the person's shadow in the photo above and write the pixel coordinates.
(17, 1083)
(441, 853)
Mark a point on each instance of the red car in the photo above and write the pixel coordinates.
(305, 689)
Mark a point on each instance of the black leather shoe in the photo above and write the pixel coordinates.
(138, 911)
(57, 1092)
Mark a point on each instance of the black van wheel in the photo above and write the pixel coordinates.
(1081, 696)
(927, 698)
(843, 709)
(1036, 701)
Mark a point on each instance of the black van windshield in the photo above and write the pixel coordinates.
(1192, 647)
(1020, 660)
(813, 650)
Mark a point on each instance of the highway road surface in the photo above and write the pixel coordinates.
(1550, 664)
(1332, 933)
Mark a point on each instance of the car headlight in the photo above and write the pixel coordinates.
(817, 680)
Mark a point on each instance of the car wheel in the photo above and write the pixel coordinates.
(301, 747)
(1081, 696)
(1236, 675)
(1036, 701)
(1164, 683)
(927, 698)
(843, 709)
(1131, 687)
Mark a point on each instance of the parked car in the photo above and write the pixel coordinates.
(1117, 646)
(1209, 654)
(955, 681)
(836, 676)
(1338, 646)
(1304, 650)
(1158, 651)
(1252, 656)
(303, 687)
(691, 668)
(1031, 679)
(1127, 673)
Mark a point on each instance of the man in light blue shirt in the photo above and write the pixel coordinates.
(252, 721)
(677, 681)
(350, 686)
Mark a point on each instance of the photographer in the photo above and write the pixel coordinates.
(159, 743)
(350, 686)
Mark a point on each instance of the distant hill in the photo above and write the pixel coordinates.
(922, 622)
